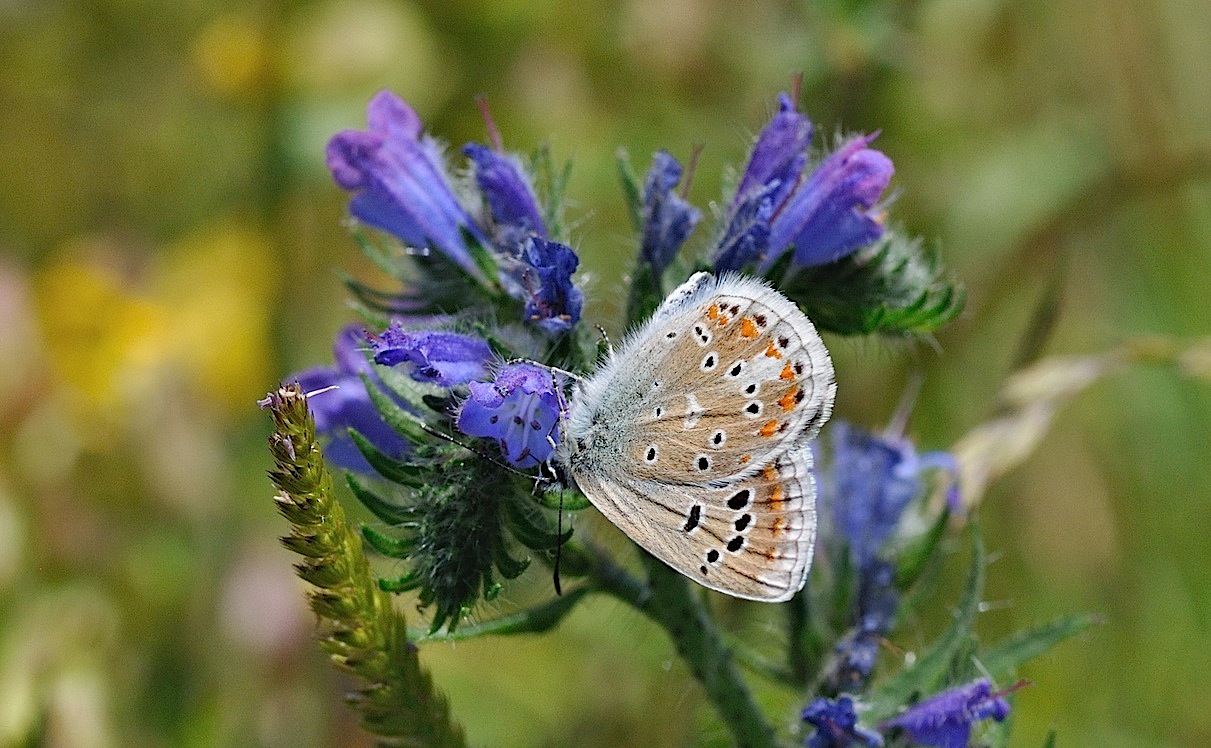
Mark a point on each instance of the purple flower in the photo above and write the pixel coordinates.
(520, 409)
(873, 480)
(835, 211)
(836, 725)
(945, 720)
(542, 273)
(340, 403)
(854, 655)
(778, 156)
(773, 171)
(512, 204)
(824, 218)
(667, 218)
(400, 181)
(438, 357)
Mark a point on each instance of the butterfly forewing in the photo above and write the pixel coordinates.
(759, 378)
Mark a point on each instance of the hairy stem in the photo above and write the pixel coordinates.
(359, 627)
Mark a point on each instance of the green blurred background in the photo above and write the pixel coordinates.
(169, 248)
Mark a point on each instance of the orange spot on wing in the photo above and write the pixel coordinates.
(772, 351)
(776, 497)
(769, 473)
(748, 328)
(787, 372)
(744, 460)
(788, 400)
(773, 554)
(712, 313)
(769, 429)
(780, 525)
(723, 320)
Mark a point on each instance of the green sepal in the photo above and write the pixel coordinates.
(632, 189)
(509, 567)
(896, 286)
(569, 500)
(394, 470)
(551, 185)
(407, 425)
(1003, 658)
(911, 562)
(399, 381)
(492, 589)
(377, 253)
(387, 545)
(484, 262)
(524, 526)
(534, 620)
(406, 583)
(647, 292)
(376, 304)
(392, 514)
(930, 669)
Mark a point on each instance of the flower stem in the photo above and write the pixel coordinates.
(671, 602)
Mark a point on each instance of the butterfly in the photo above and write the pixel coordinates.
(693, 436)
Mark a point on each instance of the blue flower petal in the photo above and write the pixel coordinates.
(340, 403)
(508, 193)
(668, 219)
(945, 720)
(520, 409)
(835, 211)
(401, 183)
(438, 357)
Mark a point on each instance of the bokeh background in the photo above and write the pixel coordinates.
(170, 244)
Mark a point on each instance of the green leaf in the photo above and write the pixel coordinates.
(894, 287)
(392, 514)
(1049, 741)
(926, 674)
(1004, 657)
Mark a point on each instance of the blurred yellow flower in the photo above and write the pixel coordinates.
(198, 323)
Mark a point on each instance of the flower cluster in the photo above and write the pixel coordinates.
(455, 385)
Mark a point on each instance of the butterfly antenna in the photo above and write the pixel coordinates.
(605, 336)
(473, 450)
